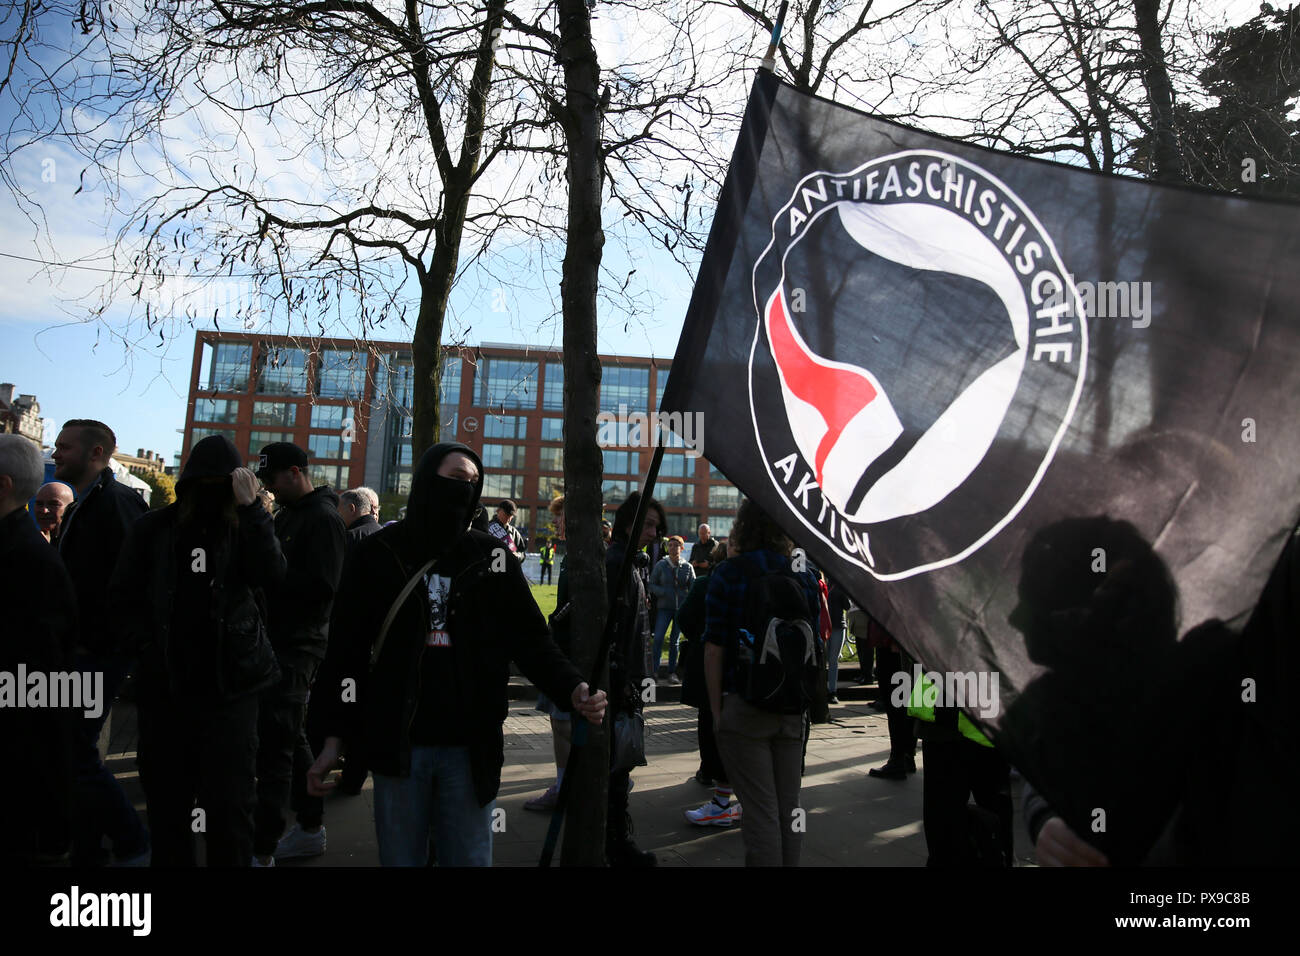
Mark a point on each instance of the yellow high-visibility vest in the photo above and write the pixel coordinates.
(916, 708)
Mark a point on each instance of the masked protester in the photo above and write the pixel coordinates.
(186, 596)
(428, 617)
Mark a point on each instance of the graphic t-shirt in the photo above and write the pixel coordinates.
(439, 718)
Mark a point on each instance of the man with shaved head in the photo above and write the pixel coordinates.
(52, 499)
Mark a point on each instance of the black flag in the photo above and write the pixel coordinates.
(1038, 421)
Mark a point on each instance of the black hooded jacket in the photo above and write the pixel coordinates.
(90, 540)
(490, 615)
(194, 620)
(363, 527)
(313, 540)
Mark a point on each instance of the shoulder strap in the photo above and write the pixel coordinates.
(396, 605)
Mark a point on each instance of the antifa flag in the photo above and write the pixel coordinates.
(995, 398)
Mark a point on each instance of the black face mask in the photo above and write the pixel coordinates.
(440, 515)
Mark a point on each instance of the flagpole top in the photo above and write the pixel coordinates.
(769, 59)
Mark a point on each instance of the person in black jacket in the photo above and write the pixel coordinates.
(359, 509)
(185, 599)
(40, 626)
(627, 661)
(425, 693)
(313, 540)
(90, 539)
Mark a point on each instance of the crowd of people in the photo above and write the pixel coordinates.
(276, 632)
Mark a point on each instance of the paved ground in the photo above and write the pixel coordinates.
(853, 819)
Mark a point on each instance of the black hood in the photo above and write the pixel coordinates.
(214, 457)
(433, 519)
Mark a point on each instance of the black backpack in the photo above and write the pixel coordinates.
(778, 651)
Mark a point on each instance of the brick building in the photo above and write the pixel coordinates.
(347, 403)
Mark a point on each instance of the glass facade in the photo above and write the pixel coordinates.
(497, 486)
(616, 490)
(674, 494)
(505, 426)
(329, 446)
(552, 429)
(550, 486)
(507, 383)
(198, 434)
(282, 371)
(619, 462)
(332, 475)
(257, 440)
(280, 414)
(229, 369)
(329, 416)
(551, 459)
(629, 387)
(720, 525)
(216, 409)
(724, 498)
(676, 466)
(503, 457)
(342, 374)
(553, 390)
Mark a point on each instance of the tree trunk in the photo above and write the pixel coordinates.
(457, 180)
(1167, 158)
(584, 836)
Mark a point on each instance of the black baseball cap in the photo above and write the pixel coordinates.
(278, 456)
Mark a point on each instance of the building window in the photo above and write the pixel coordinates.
(505, 426)
(552, 429)
(216, 410)
(661, 379)
(449, 389)
(688, 526)
(197, 434)
(331, 475)
(550, 486)
(553, 390)
(551, 459)
(724, 498)
(282, 372)
(258, 440)
(676, 466)
(394, 383)
(498, 486)
(274, 413)
(507, 383)
(629, 387)
(229, 367)
(615, 491)
(720, 525)
(617, 462)
(714, 474)
(503, 457)
(329, 416)
(329, 446)
(674, 494)
(342, 374)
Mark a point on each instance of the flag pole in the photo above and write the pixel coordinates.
(613, 622)
(769, 60)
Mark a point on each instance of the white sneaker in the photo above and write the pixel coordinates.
(712, 815)
(298, 843)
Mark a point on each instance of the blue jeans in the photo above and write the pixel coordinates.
(437, 796)
(662, 617)
(833, 658)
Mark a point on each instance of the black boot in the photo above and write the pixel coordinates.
(620, 848)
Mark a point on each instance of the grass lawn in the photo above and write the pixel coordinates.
(544, 595)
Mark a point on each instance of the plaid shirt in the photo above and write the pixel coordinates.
(724, 602)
